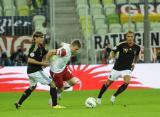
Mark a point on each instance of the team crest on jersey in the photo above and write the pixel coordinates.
(125, 50)
(32, 54)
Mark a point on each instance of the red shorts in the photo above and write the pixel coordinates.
(58, 78)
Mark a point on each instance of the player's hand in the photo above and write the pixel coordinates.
(53, 52)
(133, 65)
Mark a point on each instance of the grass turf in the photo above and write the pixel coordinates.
(132, 103)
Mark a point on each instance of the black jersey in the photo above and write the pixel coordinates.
(38, 55)
(125, 56)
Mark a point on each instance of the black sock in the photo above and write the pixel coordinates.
(103, 89)
(53, 93)
(25, 95)
(121, 89)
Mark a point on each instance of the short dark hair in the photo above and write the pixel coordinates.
(76, 43)
(38, 34)
(129, 32)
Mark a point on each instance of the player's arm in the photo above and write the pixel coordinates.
(33, 61)
(61, 52)
(112, 55)
(50, 53)
(136, 58)
(113, 52)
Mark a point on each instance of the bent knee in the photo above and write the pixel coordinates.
(73, 81)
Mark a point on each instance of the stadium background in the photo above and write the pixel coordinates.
(96, 23)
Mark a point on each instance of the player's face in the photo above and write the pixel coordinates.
(75, 49)
(39, 40)
(130, 39)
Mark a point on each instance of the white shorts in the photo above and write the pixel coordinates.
(39, 76)
(116, 74)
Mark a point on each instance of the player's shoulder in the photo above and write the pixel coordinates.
(136, 45)
(122, 43)
(66, 44)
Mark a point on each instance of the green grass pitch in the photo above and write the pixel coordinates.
(139, 103)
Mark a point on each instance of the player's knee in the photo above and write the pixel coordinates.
(29, 90)
(74, 81)
(108, 83)
(60, 86)
(59, 90)
(32, 88)
(127, 79)
(126, 83)
(52, 85)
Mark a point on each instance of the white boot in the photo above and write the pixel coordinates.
(112, 99)
(98, 101)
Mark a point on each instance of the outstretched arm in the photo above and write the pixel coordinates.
(50, 53)
(112, 55)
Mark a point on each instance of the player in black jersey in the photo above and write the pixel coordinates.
(35, 72)
(126, 55)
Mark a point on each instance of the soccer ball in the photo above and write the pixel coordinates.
(90, 102)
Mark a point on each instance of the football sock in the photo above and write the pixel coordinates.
(53, 93)
(103, 89)
(26, 94)
(121, 89)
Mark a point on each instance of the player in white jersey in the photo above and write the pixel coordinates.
(58, 67)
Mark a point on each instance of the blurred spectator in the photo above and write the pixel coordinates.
(75, 59)
(106, 52)
(154, 55)
(39, 6)
(141, 55)
(5, 61)
(101, 2)
(19, 58)
(158, 56)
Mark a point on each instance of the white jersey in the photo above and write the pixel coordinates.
(59, 63)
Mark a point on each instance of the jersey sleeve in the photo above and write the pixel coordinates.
(61, 52)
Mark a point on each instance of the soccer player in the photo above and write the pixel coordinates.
(126, 54)
(58, 68)
(34, 70)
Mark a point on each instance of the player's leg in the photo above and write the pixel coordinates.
(26, 93)
(114, 75)
(103, 89)
(53, 93)
(124, 86)
(71, 80)
(126, 76)
(57, 79)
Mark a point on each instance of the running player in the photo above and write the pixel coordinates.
(58, 68)
(126, 57)
(34, 70)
